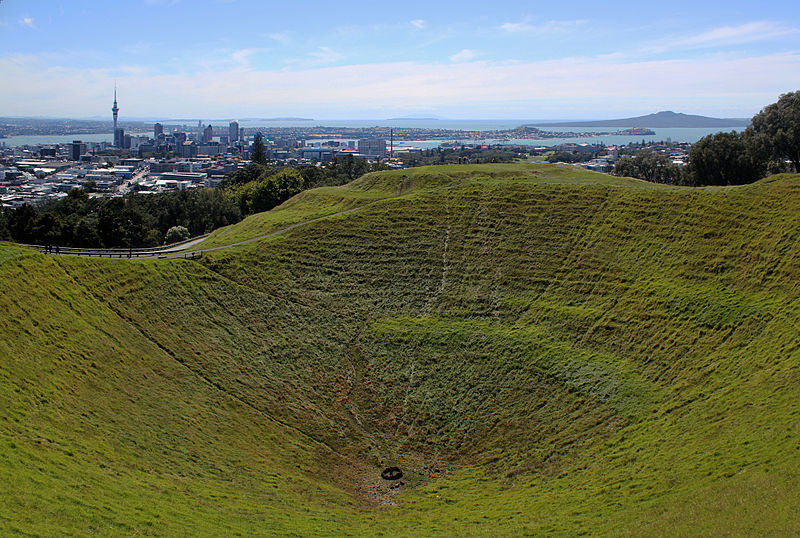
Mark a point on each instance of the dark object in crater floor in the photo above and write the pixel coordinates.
(392, 473)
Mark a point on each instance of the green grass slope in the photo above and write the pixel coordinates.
(541, 349)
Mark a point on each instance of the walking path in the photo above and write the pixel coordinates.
(178, 250)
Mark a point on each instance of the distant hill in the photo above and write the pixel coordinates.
(659, 119)
(415, 118)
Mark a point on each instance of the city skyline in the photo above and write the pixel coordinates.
(226, 59)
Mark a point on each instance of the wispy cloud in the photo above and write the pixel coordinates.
(547, 27)
(27, 21)
(418, 24)
(464, 55)
(281, 37)
(242, 57)
(736, 35)
(320, 56)
(326, 55)
(522, 89)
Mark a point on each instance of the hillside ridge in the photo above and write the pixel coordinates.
(540, 349)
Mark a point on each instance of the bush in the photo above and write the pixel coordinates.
(176, 234)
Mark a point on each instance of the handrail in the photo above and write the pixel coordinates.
(153, 250)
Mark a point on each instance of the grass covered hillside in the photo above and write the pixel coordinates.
(540, 349)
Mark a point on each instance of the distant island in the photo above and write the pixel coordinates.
(414, 118)
(287, 118)
(661, 119)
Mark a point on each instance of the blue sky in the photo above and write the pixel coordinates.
(370, 60)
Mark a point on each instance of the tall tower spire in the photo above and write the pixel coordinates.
(115, 111)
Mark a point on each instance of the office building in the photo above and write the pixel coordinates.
(372, 147)
(77, 148)
(119, 138)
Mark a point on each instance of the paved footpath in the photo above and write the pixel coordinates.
(180, 250)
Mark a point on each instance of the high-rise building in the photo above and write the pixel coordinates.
(208, 134)
(373, 147)
(119, 138)
(157, 130)
(115, 111)
(77, 148)
(233, 132)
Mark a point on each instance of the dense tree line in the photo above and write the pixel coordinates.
(649, 165)
(137, 220)
(259, 187)
(726, 159)
(570, 156)
(145, 220)
(770, 145)
(461, 156)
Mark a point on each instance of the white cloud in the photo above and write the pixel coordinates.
(27, 21)
(281, 37)
(464, 55)
(326, 55)
(525, 89)
(735, 35)
(548, 27)
(320, 56)
(418, 23)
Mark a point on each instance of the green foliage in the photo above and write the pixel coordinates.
(86, 234)
(780, 123)
(266, 192)
(739, 158)
(5, 233)
(20, 223)
(251, 172)
(121, 226)
(570, 157)
(650, 166)
(725, 159)
(176, 234)
(138, 220)
(259, 153)
(461, 155)
(199, 210)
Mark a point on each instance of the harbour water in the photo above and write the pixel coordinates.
(690, 135)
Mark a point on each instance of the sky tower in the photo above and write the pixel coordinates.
(115, 111)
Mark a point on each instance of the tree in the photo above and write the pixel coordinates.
(249, 173)
(50, 229)
(650, 166)
(176, 234)
(780, 122)
(85, 233)
(20, 223)
(353, 168)
(259, 154)
(726, 159)
(5, 233)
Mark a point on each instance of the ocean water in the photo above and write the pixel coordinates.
(35, 140)
(690, 135)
